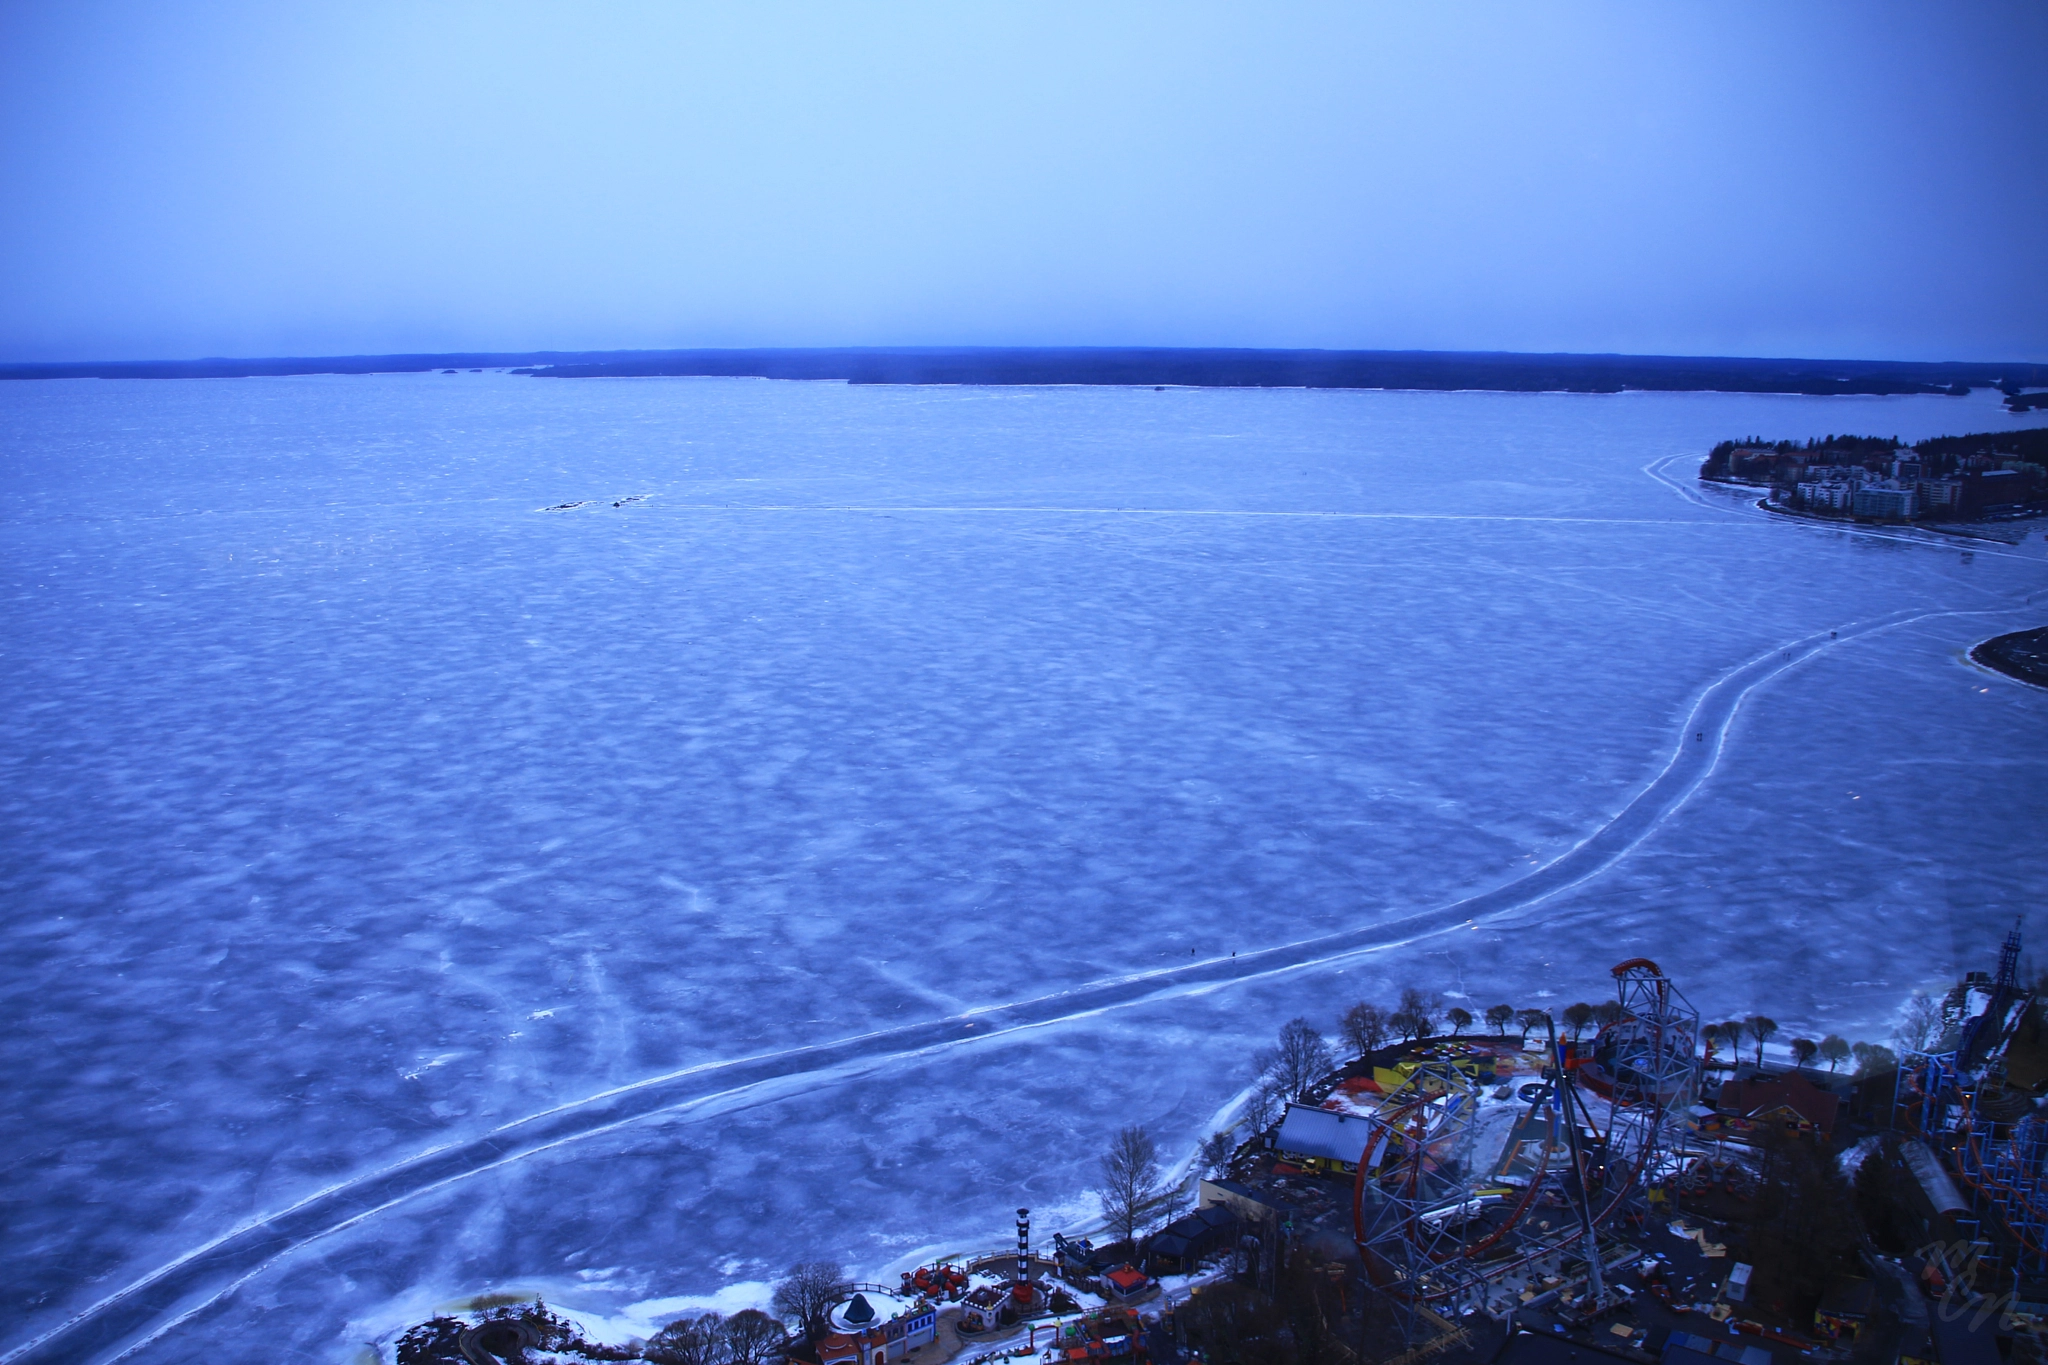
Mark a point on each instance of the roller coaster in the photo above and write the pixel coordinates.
(1450, 1212)
(1953, 1093)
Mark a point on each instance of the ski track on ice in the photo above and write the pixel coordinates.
(157, 1303)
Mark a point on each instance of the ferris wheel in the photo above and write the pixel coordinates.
(1454, 1195)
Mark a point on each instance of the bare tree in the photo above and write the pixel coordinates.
(1607, 1013)
(690, 1341)
(1920, 1023)
(1299, 1060)
(1803, 1050)
(1212, 1158)
(1422, 1007)
(1834, 1050)
(1460, 1019)
(1874, 1059)
(1264, 1104)
(1364, 1027)
(1498, 1017)
(1531, 1019)
(1710, 1043)
(807, 1293)
(1130, 1181)
(1577, 1015)
(751, 1337)
(1760, 1027)
(1406, 1025)
(1731, 1033)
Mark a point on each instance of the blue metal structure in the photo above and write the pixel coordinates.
(2003, 1164)
(2006, 1168)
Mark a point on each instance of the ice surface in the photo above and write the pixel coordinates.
(356, 808)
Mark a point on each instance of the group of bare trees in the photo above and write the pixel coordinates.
(1366, 1027)
(1580, 1016)
(748, 1337)
(1758, 1028)
(1297, 1061)
(1284, 1072)
(1302, 1055)
(1871, 1058)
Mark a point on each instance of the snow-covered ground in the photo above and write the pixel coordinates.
(355, 808)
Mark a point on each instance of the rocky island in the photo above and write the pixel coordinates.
(2022, 654)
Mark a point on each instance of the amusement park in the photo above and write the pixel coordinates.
(1473, 1193)
(1620, 1179)
(1643, 1189)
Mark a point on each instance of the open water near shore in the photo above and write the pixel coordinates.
(873, 808)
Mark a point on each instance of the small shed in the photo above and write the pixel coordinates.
(981, 1310)
(1125, 1283)
(1180, 1245)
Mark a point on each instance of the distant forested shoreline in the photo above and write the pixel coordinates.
(1508, 372)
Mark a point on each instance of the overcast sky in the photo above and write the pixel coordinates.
(283, 178)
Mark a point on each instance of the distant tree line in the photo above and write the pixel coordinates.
(2030, 444)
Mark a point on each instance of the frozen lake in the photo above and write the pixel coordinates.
(357, 809)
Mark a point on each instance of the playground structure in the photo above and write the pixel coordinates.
(1459, 1206)
(1107, 1334)
(1953, 1093)
(999, 1288)
(935, 1282)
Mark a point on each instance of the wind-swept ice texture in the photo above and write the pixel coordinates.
(355, 807)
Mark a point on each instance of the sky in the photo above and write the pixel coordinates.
(1858, 180)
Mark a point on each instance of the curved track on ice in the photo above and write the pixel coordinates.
(148, 1307)
(158, 1302)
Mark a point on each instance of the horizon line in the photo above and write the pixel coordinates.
(1140, 366)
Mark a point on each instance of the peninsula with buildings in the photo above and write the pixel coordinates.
(1622, 1179)
(1984, 476)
